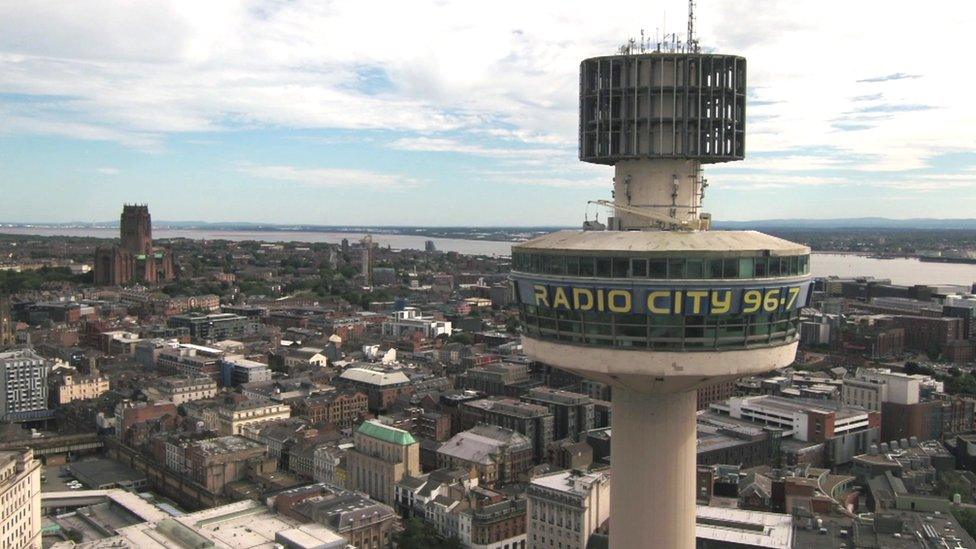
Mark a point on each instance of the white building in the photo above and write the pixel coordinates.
(326, 461)
(20, 500)
(69, 386)
(410, 319)
(960, 300)
(233, 417)
(185, 389)
(244, 523)
(190, 360)
(794, 416)
(237, 370)
(23, 385)
(870, 387)
(566, 507)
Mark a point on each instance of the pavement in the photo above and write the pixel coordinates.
(53, 482)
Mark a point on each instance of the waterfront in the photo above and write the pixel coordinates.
(904, 271)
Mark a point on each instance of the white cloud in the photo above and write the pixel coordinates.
(331, 177)
(501, 77)
(107, 171)
(444, 145)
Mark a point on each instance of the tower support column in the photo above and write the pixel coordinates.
(653, 457)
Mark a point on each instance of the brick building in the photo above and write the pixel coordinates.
(217, 461)
(572, 413)
(499, 456)
(928, 333)
(362, 521)
(135, 259)
(340, 408)
(532, 420)
(715, 392)
(382, 387)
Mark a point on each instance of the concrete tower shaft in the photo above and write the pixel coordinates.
(665, 188)
(658, 313)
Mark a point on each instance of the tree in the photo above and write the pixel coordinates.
(74, 535)
(416, 535)
(461, 337)
(912, 368)
(964, 384)
(452, 542)
(12, 282)
(966, 518)
(512, 324)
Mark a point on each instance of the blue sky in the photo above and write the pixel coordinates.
(456, 113)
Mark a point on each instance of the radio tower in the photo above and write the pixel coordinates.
(655, 304)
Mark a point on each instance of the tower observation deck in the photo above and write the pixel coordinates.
(655, 304)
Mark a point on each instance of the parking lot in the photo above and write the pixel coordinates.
(53, 481)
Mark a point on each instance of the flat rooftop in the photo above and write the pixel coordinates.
(569, 482)
(241, 525)
(711, 243)
(104, 472)
(744, 528)
(226, 445)
(799, 405)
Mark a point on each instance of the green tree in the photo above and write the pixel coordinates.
(964, 384)
(966, 518)
(417, 535)
(74, 535)
(512, 324)
(461, 337)
(12, 282)
(912, 368)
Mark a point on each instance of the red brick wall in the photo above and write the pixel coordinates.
(820, 426)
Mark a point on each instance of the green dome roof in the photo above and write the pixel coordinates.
(386, 433)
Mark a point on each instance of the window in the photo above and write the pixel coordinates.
(572, 266)
(715, 268)
(638, 268)
(745, 267)
(730, 268)
(621, 267)
(657, 268)
(659, 331)
(586, 267)
(761, 264)
(676, 268)
(660, 268)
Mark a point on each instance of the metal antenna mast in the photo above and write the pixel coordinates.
(692, 42)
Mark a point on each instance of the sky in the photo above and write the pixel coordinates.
(442, 113)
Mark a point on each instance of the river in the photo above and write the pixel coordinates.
(901, 271)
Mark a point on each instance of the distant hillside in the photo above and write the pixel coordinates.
(850, 223)
(758, 224)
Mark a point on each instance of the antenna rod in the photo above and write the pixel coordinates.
(692, 43)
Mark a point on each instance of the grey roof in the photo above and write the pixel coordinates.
(412, 482)
(374, 377)
(479, 444)
(663, 242)
(100, 472)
